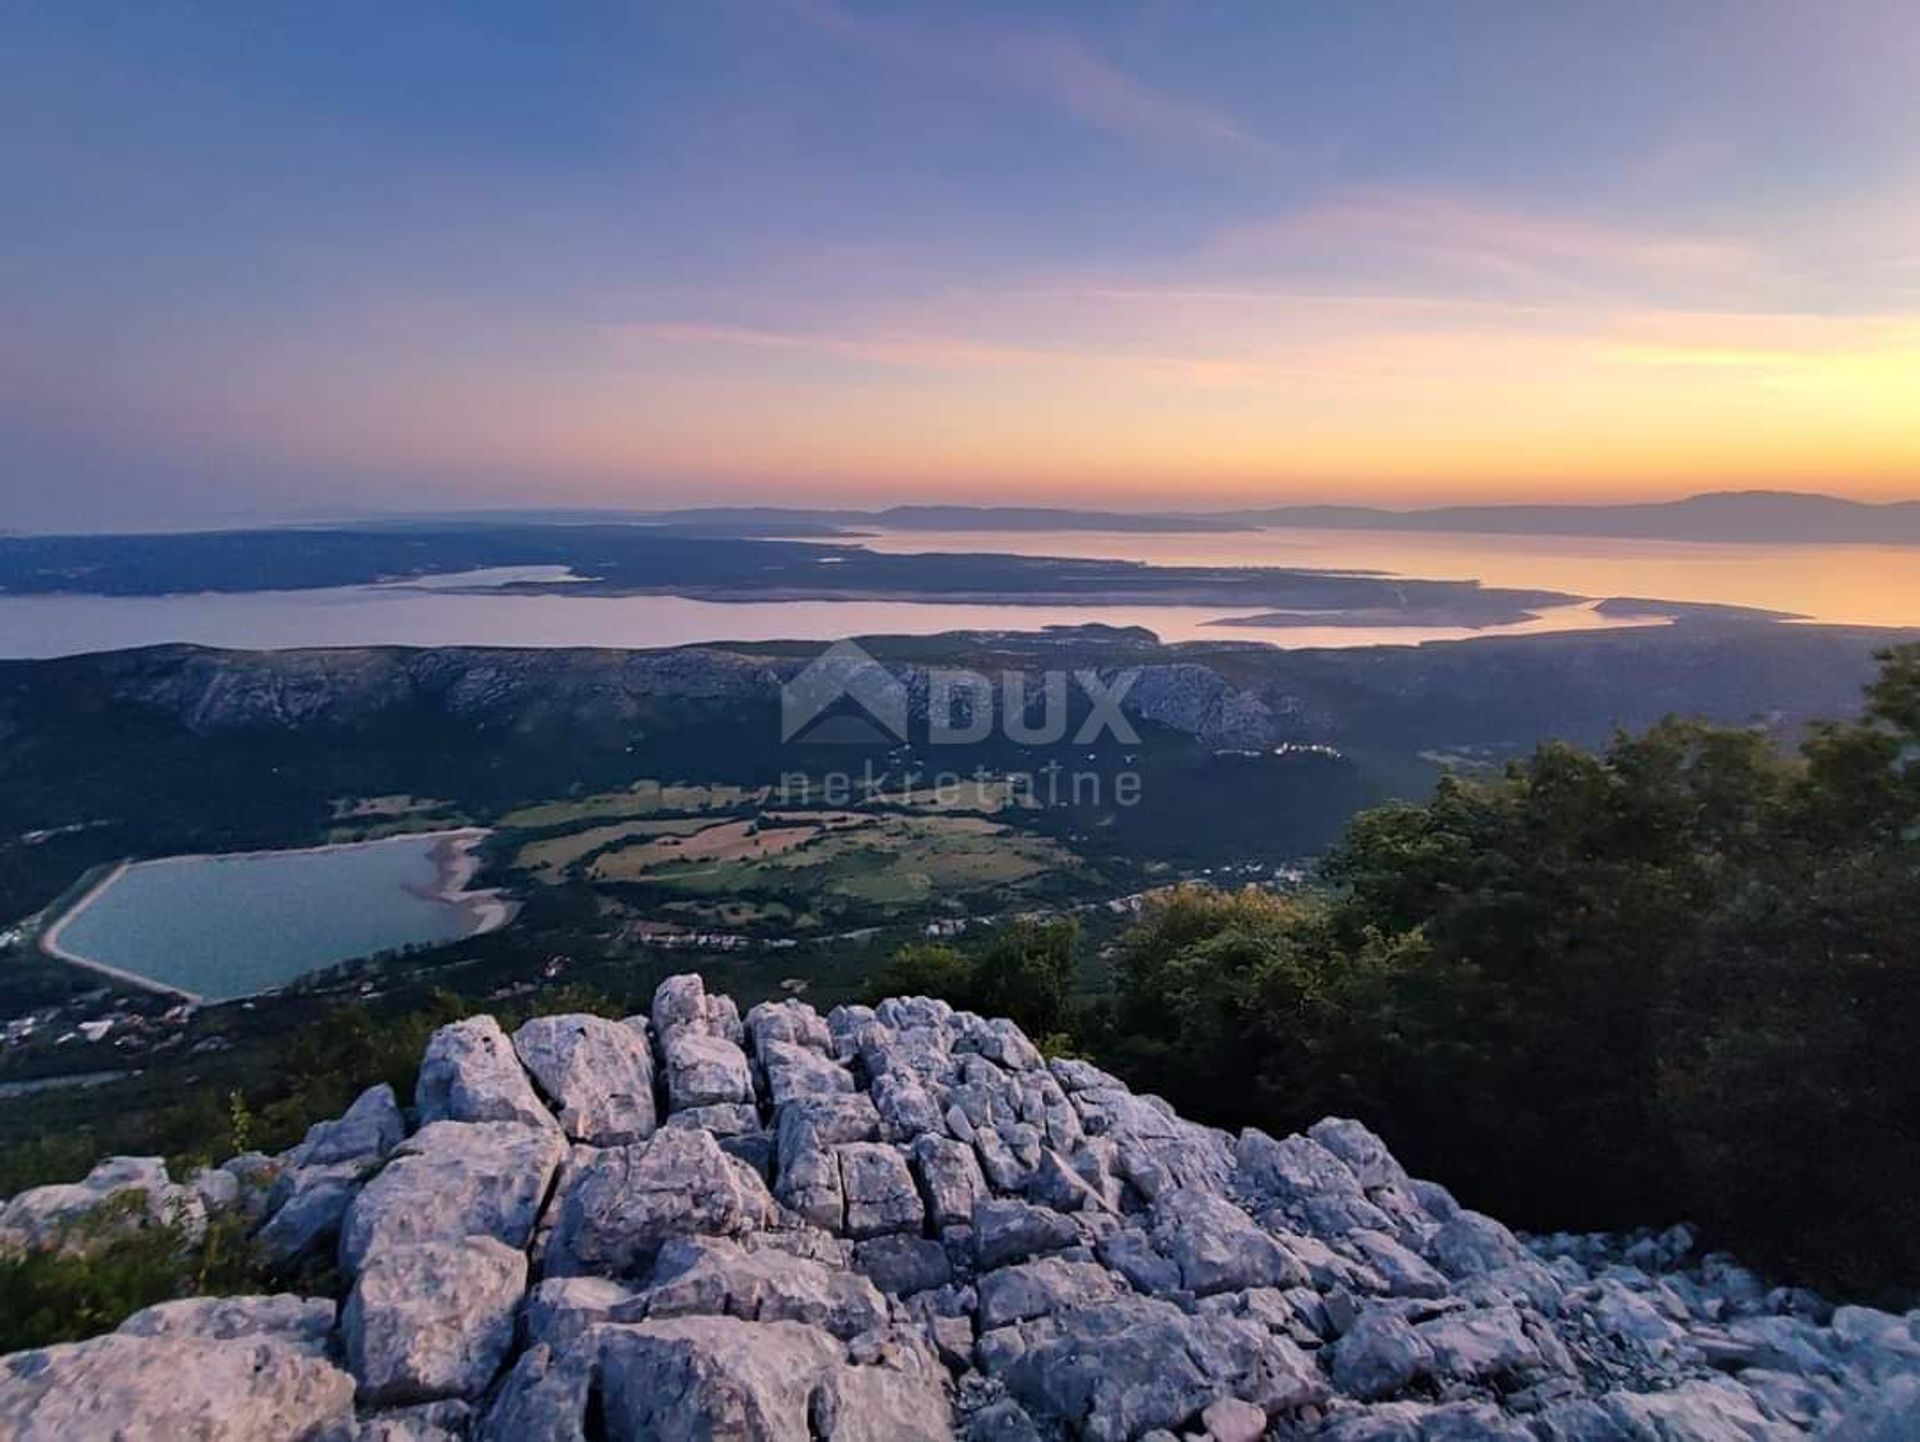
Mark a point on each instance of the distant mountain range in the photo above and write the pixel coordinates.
(1780, 517)
(1775, 517)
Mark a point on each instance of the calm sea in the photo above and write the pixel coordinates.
(1860, 585)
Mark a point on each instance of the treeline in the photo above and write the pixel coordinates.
(1678, 978)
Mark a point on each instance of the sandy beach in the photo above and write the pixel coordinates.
(457, 855)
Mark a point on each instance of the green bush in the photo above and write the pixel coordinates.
(110, 1264)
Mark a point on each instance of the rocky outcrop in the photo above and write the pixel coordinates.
(904, 1222)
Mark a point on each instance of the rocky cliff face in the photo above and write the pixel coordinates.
(903, 1223)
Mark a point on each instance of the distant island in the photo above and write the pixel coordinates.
(1766, 517)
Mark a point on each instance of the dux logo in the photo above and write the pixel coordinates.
(846, 696)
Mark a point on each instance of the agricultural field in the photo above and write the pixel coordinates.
(643, 798)
(736, 866)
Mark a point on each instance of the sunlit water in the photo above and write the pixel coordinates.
(392, 616)
(1844, 585)
(1860, 585)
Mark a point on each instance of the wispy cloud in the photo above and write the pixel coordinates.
(1052, 66)
(1425, 237)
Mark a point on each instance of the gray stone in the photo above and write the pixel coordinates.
(626, 1201)
(446, 1421)
(432, 1319)
(452, 1180)
(790, 1021)
(1047, 1287)
(907, 1108)
(795, 1071)
(544, 1397)
(704, 1069)
(1116, 1371)
(710, 1277)
(307, 1208)
(597, 1073)
(1217, 1247)
(73, 1217)
(1231, 1420)
(950, 1177)
(689, 1379)
(470, 1074)
(901, 1265)
(879, 1190)
(248, 1388)
(562, 1310)
(1009, 1231)
(1364, 1153)
(723, 1119)
(366, 1131)
(1380, 1354)
(681, 1004)
(307, 1321)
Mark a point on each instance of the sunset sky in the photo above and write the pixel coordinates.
(275, 260)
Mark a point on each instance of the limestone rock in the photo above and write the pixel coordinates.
(712, 1277)
(433, 1319)
(704, 1070)
(452, 1180)
(879, 1190)
(470, 1074)
(249, 1388)
(597, 1073)
(366, 1131)
(627, 1201)
(901, 1222)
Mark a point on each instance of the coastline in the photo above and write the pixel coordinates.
(455, 855)
(50, 942)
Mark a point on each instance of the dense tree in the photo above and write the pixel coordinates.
(1679, 977)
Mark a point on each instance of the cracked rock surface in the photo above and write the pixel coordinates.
(903, 1222)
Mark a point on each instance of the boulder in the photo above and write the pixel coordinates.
(452, 1180)
(901, 1265)
(794, 1071)
(1379, 1355)
(699, 1377)
(1007, 1231)
(253, 1387)
(1216, 1246)
(711, 1277)
(1119, 1370)
(119, 1195)
(597, 1073)
(790, 1021)
(626, 1201)
(366, 1131)
(879, 1190)
(950, 1178)
(704, 1069)
(307, 1321)
(1046, 1287)
(681, 1003)
(470, 1074)
(428, 1320)
(306, 1209)
(447, 1421)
